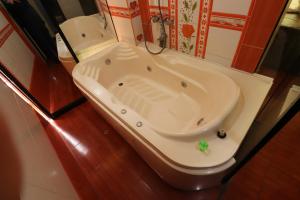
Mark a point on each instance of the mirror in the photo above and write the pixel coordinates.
(35, 53)
(87, 26)
(280, 62)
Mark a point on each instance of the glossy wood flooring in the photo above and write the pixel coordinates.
(52, 86)
(102, 165)
(274, 173)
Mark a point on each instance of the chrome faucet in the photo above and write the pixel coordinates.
(163, 35)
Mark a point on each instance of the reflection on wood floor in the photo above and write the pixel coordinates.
(52, 86)
(102, 165)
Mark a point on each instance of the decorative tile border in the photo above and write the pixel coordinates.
(131, 15)
(173, 13)
(124, 12)
(188, 12)
(155, 11)
(190, 36)
(203, 26)
(132, 10)
(228, 21)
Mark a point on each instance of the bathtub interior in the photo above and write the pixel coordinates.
(170, 103)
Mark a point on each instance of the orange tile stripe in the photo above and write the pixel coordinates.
(5, 33)
(173, 6)
(4, 28)
(250, 12)
(145, 16)
(124, 12)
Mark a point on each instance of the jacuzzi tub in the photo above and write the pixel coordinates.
(165, 105)
(162, 112)
(86, 35)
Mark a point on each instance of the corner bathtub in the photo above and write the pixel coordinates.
(84, 33)
(163, 113)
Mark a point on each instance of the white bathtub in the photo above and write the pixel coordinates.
(86, 35)
(163, 107)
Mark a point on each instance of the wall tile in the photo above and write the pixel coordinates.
(248, 58)
(234, 7)
(144, 8)
(213, 29)
(222, 42)
(263, 21)
(127, 20)
(137, 28)
(188, 19)
(124, 29)
(147, 31)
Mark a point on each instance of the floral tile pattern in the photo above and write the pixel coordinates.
(202, 28)
(188, 18)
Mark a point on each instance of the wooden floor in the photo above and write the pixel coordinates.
(101, 165)
(274, 173)
(52, 86)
